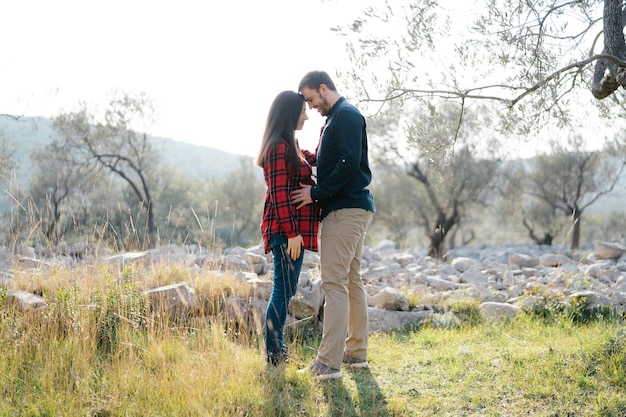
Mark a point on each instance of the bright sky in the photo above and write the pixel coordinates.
(211, 69)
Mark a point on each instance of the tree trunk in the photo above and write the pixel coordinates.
(576, 229)
(151, 226)
(437, 247)
(606, 82)
(437, 237)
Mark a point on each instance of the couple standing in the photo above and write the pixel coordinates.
(294, 206)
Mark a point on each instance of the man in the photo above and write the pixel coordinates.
(347, 208)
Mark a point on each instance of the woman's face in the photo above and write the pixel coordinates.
(302, 117)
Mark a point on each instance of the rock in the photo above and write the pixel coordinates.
(523, 261)
(440, 284)
(25, 301)
(179, 298)
(234, 263)
(403, 259)
(257, 262)
(553, 259)
(385, 320)
(474, 276)
(168, 254)
(390, 299)
(493, 310)
(592, 299)
(124, 258)
(608, 250)
(462, 264)
(308, 300)
(503, 279)
(248, 314)
(385, 246)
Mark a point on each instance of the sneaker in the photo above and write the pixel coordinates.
(320, 371)
(354, 362)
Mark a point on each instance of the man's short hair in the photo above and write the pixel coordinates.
(314, 79)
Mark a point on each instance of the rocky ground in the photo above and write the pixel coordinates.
(405, 287)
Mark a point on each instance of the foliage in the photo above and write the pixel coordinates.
(569, 180)
(553, 309)
(397, 201)
(120, 304)
(454, 172)
(529, 61)
(501, 69)
(238, 198)
(113, 143)
(7, 157)
(55, 199)
(67, 199)
(180, 202)
(610, 227)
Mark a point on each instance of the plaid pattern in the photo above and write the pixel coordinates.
(279, 215)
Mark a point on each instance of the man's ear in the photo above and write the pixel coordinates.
(323, 89)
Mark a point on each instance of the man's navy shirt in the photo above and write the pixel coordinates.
(343, 170)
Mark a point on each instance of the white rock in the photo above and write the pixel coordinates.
(496, 310)
(524, 261)
(553, 259)
(608, 250)
(463, 264)
(390, 299)
(26, 301)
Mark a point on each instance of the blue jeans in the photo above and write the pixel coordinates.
(285, 286)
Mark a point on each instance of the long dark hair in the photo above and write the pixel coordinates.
(282, 121)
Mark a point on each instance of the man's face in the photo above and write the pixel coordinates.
(316, 99)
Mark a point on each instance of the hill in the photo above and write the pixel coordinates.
(196, 161)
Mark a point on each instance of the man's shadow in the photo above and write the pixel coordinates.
(372, 402)
(339, 400)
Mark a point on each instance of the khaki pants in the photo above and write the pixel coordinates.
(345, 305)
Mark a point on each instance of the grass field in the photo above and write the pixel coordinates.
(98, 351)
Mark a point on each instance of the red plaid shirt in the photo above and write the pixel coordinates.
(279, 215)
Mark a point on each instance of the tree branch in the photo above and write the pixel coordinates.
(396, 93)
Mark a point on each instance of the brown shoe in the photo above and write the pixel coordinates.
(320, 371)
(354, 362)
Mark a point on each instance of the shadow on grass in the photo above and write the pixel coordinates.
(338, 397)
(372, 402)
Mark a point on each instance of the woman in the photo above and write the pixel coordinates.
(287, 231)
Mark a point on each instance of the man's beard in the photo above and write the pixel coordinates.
(325, 107)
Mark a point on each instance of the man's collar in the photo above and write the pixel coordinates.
(332, 109)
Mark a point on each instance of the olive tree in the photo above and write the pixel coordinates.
(238, 201)
(569, 179)
(531, 66)
(533, 61)
(115, 143)
(454, 171)
(180, 208)
(397, 205)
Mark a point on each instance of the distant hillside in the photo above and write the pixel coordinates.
(196, 161)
